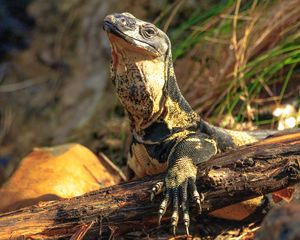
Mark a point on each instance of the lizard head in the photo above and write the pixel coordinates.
(142, 36)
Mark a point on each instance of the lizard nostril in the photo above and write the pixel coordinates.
(109, 18)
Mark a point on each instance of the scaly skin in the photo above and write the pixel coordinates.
(167, 133)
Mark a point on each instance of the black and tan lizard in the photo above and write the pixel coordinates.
(168, 135)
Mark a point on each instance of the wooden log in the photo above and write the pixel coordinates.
(228, 178)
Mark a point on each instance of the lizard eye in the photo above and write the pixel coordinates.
(148, 31)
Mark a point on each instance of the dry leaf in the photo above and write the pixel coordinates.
(285, 194)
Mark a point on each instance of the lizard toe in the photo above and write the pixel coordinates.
(163, 206)
(174, 221)
(175, 216)
(185, 206)
(195, 194)
(156, 189)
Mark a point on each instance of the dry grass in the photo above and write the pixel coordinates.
(221, 69)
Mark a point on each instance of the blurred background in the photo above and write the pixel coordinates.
(237, 63)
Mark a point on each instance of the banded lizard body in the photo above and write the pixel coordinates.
(168, 135)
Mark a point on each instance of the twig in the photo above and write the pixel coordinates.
(113, 166)
(172, 15)
(22, 85)
(5, 122)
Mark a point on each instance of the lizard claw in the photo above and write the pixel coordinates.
(196, 196)
(185, 207)
(187, 229)
(186, 217)
(159, 218)
(174, 230)
(174, 222)
(198, 201)
(175, 216)
(157, 189)
(163, 207)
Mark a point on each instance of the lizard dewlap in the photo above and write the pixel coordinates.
(168, 135)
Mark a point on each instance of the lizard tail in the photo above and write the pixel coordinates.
(230, 138)
(262, 134)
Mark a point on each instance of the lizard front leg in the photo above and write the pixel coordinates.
(181, 176)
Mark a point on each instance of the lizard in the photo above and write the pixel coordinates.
(168, 135)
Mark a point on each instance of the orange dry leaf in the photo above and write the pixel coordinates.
(51, 173)
(238, 211)
(285, 194)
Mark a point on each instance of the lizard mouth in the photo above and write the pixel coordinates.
(111, 28)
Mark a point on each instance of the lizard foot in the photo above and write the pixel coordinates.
(178, 197)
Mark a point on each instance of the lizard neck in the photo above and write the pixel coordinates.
(176, 113)
(179, 113)
(139, 79)
(147, 88)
